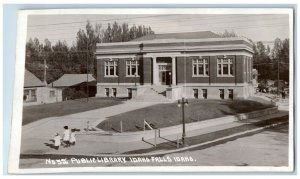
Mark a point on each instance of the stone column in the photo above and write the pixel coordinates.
(155, 72)
(173, 71)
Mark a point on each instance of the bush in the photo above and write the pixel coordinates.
(71, 93)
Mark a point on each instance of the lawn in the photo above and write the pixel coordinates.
(165, 115)
(36, 112)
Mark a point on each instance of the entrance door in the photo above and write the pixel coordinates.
(165, 77)
(168, 77)
(164, 65)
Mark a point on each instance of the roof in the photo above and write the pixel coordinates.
(184, 35)
(73, 79)
(31, 80)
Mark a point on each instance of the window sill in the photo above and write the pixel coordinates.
(111, 76)
(133, 76)
(225, 76)
(203, 76)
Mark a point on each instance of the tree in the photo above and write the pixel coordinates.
(125, 32)
(261, 61)
(276, 49)
(268, 51)
(34, 58)
(284, 60)
(226, 33)
(107, 34)
(271, 62)
(80, 57)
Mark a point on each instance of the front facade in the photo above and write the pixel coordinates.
(194, 68)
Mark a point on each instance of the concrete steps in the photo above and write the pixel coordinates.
(159, 89)
(152, 94)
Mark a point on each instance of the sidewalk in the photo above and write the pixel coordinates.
(90, 145)
(79, 120)
(40, 132)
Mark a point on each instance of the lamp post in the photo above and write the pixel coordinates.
(170, 80)
(135, 79)
(181, 103)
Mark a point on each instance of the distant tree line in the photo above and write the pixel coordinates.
(62, 59)
(270, 62)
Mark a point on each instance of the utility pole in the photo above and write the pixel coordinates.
(45, 72)
(278, 77)
(87, 69)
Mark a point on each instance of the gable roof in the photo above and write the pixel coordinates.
(31, 80)
(72, 79)
(184, 35)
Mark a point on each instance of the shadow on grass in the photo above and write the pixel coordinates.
(166, 115)
(51, 145)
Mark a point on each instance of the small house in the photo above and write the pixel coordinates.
(36, 92)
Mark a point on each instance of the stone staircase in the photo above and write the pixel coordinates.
(153, 94)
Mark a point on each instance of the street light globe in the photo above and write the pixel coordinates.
(179, 103)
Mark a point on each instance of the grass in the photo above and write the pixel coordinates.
(37, 112)
(165, 115)
(171, 145)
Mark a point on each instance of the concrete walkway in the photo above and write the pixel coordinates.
(37, 141)
(39, 132)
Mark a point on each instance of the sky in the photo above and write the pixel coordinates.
(257, 27)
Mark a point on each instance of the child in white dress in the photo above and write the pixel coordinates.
(57, 141)
(72, 137)
(66, 137)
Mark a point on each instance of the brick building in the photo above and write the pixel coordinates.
(192, 65)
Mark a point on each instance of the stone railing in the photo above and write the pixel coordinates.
(174, 92)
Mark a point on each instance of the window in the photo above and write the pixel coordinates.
(52, 93)
(111, 68)
(132, 68)
(29, 95)
(204, 91)
(129, 91)
(195, 93)
(200, 67)
(26, 95)
(221, 93)
(107, 92)
(225, 67)
(114, 91)
(165, 67)
(230, 93)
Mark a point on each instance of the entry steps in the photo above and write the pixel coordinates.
(153, 94)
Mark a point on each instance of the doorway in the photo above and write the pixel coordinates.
(165, 77)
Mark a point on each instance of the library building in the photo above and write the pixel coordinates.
(199, 65)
